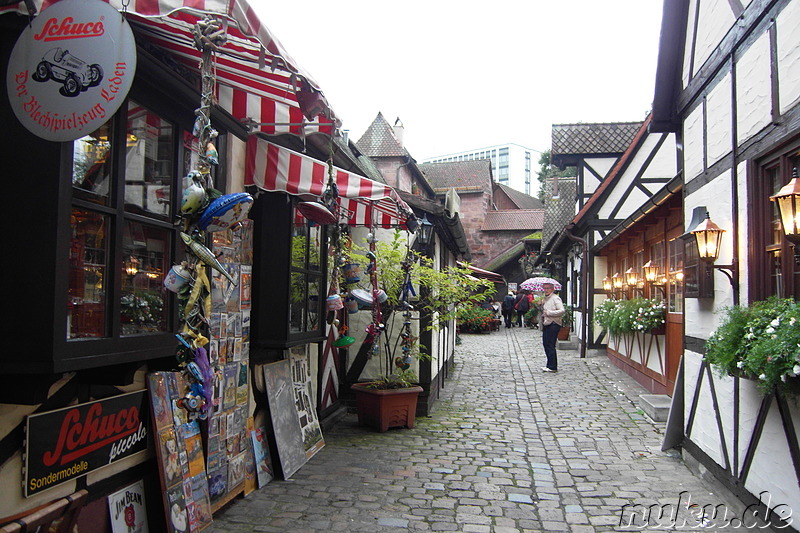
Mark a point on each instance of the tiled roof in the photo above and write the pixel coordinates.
(379, 140)
(462, 175)
(598, 138)
(514, 219)
(523, 201)
(511, 254)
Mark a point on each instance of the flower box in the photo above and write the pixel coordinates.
(386, 408)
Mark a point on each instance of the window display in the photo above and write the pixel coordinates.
(88, 266)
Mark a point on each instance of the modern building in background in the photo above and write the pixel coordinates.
(511, 164)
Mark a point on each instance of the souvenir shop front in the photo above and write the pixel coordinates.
(127, 382)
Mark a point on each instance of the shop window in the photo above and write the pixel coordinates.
(656, 290)
(675, 278)
(88, 275)
(121, 234)
(771, 253)
(307, 287)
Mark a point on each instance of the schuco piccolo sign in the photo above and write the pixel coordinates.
(67, 443)
(71, 69)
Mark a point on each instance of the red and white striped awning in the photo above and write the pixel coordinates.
(257, 80)
(367, 202)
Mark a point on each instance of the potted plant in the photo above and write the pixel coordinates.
(441, 294)
(567, 321)
(760, 342)
(637, 315)
(471, 319)
(388, 402)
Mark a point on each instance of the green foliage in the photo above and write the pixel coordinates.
(472, 319)
(630, 316)
(548, 170)
(402, 379)
(439, 291)
(761, 341)
(532, 316)
(568, 318)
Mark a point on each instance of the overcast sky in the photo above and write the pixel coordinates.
(463, 75)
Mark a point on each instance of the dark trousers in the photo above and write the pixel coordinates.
(520, 318)
(507, 317)
(549, 338)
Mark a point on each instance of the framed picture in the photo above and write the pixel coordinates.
(128, 509)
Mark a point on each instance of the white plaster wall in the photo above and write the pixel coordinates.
(753, 89)
(744, 233)
(723, 385)
(665, 163)
(704, 432)
(656, 345)
(715, 19)
(601, 165)
(787, 24)
(719, 121)
(614, 195)
(693, 144)
(691, 369)
(236, 161)
(749, 405)
(687, 48)
(771, 468)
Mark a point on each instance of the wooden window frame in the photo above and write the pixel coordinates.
(759, 217)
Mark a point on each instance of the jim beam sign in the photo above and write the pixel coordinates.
(70, 442)
(71, 69)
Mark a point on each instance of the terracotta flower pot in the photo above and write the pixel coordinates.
(386, 408)
(563, 333)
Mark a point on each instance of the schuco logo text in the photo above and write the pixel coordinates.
(67, 29)
(78, 437)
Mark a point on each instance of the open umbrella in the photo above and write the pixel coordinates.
(535, 284)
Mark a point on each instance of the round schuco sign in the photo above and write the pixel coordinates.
(71, 69)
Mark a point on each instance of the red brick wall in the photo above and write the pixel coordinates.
(484, 245)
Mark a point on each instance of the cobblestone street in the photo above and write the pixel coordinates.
(508, 448)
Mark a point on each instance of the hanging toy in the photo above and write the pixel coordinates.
(211, 154)
(205, 255)
(212, 157)
(194, 196)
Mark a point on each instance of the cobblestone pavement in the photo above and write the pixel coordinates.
(508, 448)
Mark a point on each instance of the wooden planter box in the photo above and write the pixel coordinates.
(384, 409)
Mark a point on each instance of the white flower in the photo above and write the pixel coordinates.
(783, 378)
(770, 329)
(762, 376)
(740, 364)
(796, 370)
(775, 323)
(792, 321)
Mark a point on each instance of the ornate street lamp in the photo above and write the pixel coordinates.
(788, 200)
(650, 271)
(425, 231)
(607, 284)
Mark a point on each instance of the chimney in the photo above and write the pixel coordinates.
(398, 131)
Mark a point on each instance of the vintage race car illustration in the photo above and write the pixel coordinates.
(75, 74)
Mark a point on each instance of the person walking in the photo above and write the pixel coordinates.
(521, 306)
(550, 317)
(507, 308)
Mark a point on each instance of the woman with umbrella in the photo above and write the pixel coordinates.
(550, 317)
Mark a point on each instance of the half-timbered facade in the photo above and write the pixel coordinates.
(601, 238)
(728, 85)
